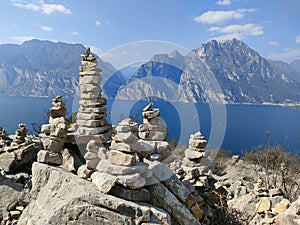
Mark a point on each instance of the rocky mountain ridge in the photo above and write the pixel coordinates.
(47, 69)
(228, 72)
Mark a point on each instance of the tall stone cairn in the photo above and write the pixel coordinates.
(91, 118)
(153, 132)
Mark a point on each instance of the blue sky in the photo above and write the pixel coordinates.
(271, 27)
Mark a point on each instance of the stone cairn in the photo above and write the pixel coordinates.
(194, 161)
(54, 134)
(91, 118)
(153, 133)
(93, 130)
(20, 135)
(5, 140)
(122, 165)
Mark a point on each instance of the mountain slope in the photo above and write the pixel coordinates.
(242, 75)
(43, 68)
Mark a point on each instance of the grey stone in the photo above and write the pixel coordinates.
(93, 146)
(151, 114)
(153, 135)
(138, 195)
(103, 181)
(90, 155)
(60, 197)
(163, 198)
(92, 163)
(9, 193)
(20, 159)
(189, 154)
(144, 147)
(133, 180)
(107, 167)
(84, 172)
(120, 146)
(160, 170)
(122, 159)
(49, 157)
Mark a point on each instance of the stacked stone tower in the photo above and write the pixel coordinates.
(153, 133)
(195, 161)
(54, 134)
(91, 118)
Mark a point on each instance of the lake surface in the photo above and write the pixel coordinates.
(231, 127)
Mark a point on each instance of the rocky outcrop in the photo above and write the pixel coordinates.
(60, 197)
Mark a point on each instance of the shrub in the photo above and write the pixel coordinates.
(281, 168)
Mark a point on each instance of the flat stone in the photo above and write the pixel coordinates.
(101, 138)
(15, 214)
(53, 144)
(263, 205)
(133, 180)
(275, 192)
(128, 137)
(92, 130)
(153, 135)
(107, 167)
(120, 146)
(96, 80)
(49, 157)
(144, 147)
(137, 195)
(90, 155)
(84, 88)
(93, 102)
(149, 127)
(89, 123)
(88, 116)
(58, 112)
(197, 143)
(90, 95)
(103, 181)
(189, 154)
(281, 206)
(122, 159)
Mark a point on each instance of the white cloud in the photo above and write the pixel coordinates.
(227, 37)
(41, 6)
(98, 22)
(298, 38)
(21, 39)
(237, 31)
(274, 43)
(286, 54)
(47, 28)
(223, 2)
(215, 17)
(75, 33)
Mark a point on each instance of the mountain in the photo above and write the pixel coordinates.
(43, 68)
(242, 76)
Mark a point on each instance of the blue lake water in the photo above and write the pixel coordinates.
(231, 127)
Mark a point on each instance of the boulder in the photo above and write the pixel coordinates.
(60, 197)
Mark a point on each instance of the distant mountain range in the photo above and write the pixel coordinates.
(46, 69)
(43, 68)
